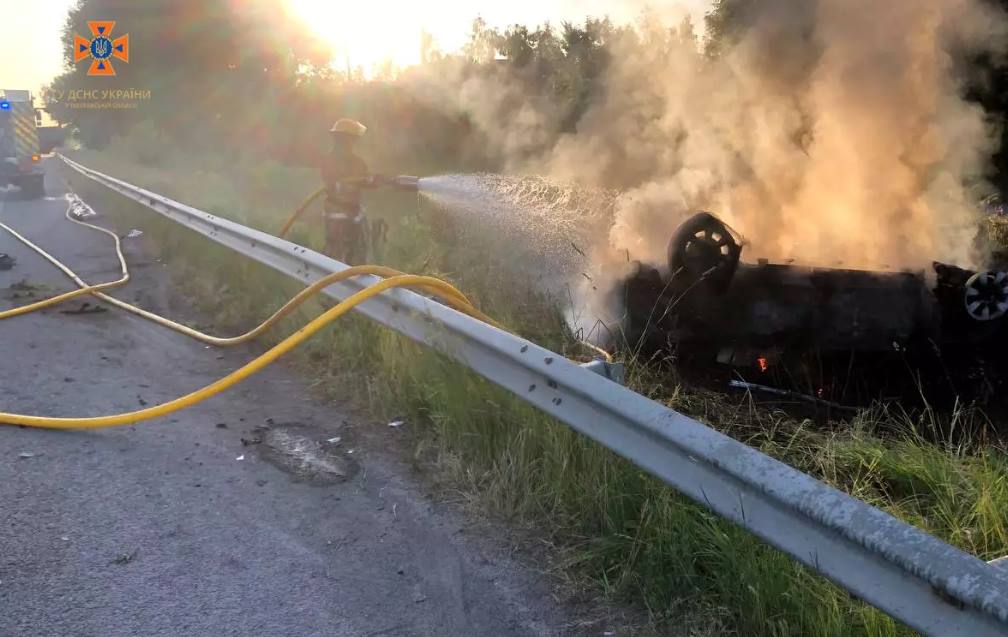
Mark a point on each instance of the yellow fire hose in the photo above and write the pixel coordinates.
(386, 272)
(441, 289)
(458, 301)
(239, 374)
(84, 289)
(300, 210)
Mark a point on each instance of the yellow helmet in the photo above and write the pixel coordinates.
(348, 127)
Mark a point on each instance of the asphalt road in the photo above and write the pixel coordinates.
(178, 527)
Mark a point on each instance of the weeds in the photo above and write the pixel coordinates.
(617, 530)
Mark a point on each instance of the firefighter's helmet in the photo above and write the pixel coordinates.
(347, 126)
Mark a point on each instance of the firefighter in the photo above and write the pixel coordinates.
(345, 176)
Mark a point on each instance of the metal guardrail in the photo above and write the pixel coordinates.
(910, 575)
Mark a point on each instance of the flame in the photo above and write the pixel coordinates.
(763, 366)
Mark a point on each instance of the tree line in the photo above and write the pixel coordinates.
(241, 77)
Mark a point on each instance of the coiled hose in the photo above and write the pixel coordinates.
(444, 291)
(436, 287)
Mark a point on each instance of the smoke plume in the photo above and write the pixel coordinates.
(831, 132)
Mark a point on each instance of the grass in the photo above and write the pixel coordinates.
(617, 530)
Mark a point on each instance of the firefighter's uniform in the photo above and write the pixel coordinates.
(345, 175)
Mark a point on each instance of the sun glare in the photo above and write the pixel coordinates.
(363, 34)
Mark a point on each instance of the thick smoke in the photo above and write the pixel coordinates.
(834, 131)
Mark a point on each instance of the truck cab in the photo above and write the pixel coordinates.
(20, 157)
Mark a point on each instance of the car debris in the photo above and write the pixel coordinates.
(125, 558)
(78, 209)
(784, 393)
(7, 262)
(86, 308)
(24, 286)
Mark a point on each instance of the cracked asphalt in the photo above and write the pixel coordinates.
(178, 526)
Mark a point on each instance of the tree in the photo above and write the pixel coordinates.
(199, 59)
(727, 21)
(483, 44)
(429, 51)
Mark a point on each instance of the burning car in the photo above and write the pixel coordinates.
(709, 301)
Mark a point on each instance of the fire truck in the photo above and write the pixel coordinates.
(20, 158)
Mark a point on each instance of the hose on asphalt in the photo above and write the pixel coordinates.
(393, 279)
(441, 289)
(407, 280)
(454, 299)
(84, 288)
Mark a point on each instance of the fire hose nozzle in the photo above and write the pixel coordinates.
(406, 182)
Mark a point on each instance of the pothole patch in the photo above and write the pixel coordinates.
(293, 450)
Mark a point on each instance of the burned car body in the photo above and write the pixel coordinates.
(711, 302)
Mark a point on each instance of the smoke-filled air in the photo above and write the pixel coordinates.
(829, 131)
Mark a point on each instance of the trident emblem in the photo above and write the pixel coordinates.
(100, 48)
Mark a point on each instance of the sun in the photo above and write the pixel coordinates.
(364, 34)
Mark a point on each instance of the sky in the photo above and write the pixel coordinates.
(365, 32)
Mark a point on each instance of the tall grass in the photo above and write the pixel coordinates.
(618, 531)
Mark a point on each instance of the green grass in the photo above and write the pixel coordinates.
(617, 530)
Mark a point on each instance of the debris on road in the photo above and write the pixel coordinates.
(24, 289)
(26, 454)
(7, 261)
(79, 209)
(125, 558)
(24, 286)
(784, 393)
(86, 308)
(241, 457)
(133, 234)
(335, 440)
(395, 424)
(222, 425)
(292, 450)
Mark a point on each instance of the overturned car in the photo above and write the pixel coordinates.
(709, 302)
